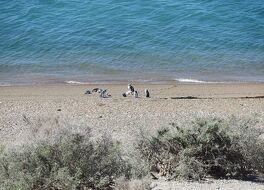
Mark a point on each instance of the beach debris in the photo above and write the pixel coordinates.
(124, 95)
(210, 98)
(88, 92)
(147, 95)
(135, 94)
(188, 97)
(58, 109)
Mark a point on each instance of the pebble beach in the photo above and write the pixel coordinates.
(124, 117)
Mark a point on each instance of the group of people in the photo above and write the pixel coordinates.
(131, 91)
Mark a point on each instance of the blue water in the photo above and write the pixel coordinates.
(58, 40)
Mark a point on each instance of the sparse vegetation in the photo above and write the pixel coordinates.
(209, 147)
(71, 158)
(72, 161)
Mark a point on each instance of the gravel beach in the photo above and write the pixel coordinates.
(125, 117)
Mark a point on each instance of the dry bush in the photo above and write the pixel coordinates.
(208, 147)
(55, 155)
(62, 159)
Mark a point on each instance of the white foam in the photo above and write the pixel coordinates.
(5, 84)
(191, 80)
(75, 82)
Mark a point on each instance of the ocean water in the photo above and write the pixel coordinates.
(45, 41)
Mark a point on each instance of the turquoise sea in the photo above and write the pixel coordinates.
(46, 41)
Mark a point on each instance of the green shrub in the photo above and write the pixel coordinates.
(209, 147)
(70, 161)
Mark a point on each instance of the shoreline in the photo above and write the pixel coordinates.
(168, 90)
(121, 82)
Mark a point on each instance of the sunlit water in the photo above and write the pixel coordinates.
(155, 40)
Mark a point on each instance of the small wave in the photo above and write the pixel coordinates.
(5, 84)
(191, 80)
(75, 82)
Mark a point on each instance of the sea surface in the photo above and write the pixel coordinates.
(47, 41)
